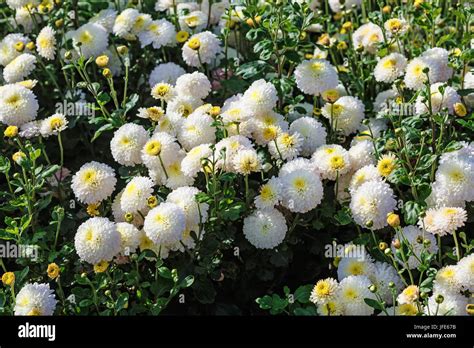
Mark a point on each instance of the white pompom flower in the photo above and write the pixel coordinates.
(19, 68)
(136, 193)
(18, 105)
(127, 143)
(201, 48)
(97, 240)
(332, 161)
(165, 223)
(390, 68)
(302, 190)
(129, 237)
(35, 299)
(46, 43)
(313, 133)
(89, 40)
(93, 183)
(345, 114)
(265, 229)
(196, 85)
(371, 203)
(316, 76)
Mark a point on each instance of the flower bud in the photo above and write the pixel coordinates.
(439, 299)
(396, 244)
(107, 73)
(460, 109)
(102, 61)
(383, 246)
(122, 50)
(393, 220)
(11, 132)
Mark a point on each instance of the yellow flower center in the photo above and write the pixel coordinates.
(153, 147)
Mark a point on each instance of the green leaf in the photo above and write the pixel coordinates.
(102, 129)
(122, 301)
(374, 304)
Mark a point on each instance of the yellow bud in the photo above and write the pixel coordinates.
(194, 43)
(393, 219)
(342, 46)
(308, 56)
(254, 22)
(331, 95)
(11, 132)
(18, 157)
(8, 278)
(182, 36)
(31, 45)
(215, 111)
(347, 25)
(152, 201)
(102, 61)
(101, 267)
(53, 270)
(387, 9)
(460, 109)
(68, 55)
(128, 217)
(59, 23)
(107, 73)
(92, 209)
(20, 46)
(383, 246)
(396, 244)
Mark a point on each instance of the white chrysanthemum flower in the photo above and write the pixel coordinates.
(439, 100)
(264, 128)
(367, 36)
(265, 229)
(363, 175)
(332, 161)
(19, 68)
(361, 154)
(345, 114)
(313, 133)
(437, 59)
(390, 67)
(396, 26)
(447, 280)
(181, 107)
(260, 97)
(35, 299)
(201, 48)
(158, 33)
(302, 190)
(194, 21)
(159, 151)
(192, 163)
(164, 5)
(25, 18)
(18, 105)
(124, 22)
(338, 5)
(409, 295)
(415, 237)
(227, 148)
(246, 161)
(286, 146)
(136, 193)
(371, 203)
(176, 178)
(129, 238)
(415, 76)
(166, 72)
(97, 240)
(332, 308)
(196, 129)
(384, 274)
(353, 266)
(165, 223)
(324, 291)
(453, 304)
(53, 125)
(196, 85)
(195, 213)
(465, 272)
(46, 43)
(270, 194)
(127, 144)
(352, 291)
(316, 76)
(105, 18)
(444, 220)
(119, 214)
(7, 47)
(93, 182)
(90, 39)
(30, 129)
